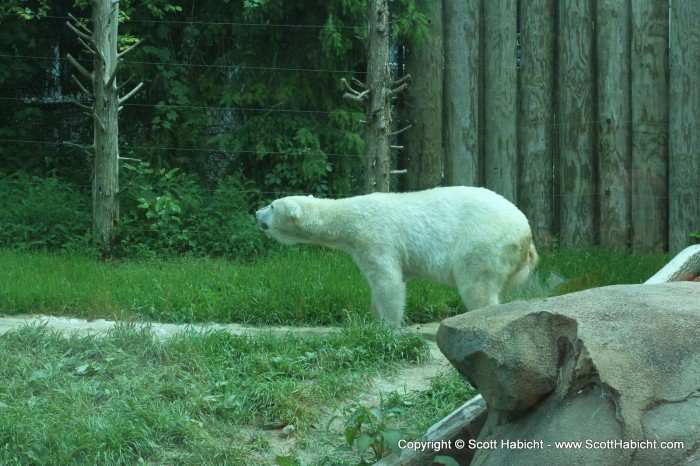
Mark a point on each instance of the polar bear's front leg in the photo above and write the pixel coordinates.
(388, 288)
(388, 301)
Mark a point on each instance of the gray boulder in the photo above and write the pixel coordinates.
(615, 368)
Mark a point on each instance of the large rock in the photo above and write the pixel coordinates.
(619, 363)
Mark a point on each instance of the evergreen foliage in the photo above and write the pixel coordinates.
(241, 96)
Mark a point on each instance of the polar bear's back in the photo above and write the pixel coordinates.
(428, 231)
(449, 210)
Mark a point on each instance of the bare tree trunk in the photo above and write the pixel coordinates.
(105, 181)
(423, 143)
(377, 160)
(102, 43)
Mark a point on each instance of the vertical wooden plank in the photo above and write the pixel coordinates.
(423, 142)
(649, 125)
(576, 156)
(536, 117)
(684, 138)
(500, 88)
(461, 91)
(614, 133)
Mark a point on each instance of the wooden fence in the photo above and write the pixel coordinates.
(590, 124)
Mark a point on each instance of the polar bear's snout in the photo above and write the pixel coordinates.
(262, 216)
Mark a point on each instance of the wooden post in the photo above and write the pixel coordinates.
(423, 143)
(461, 92)
(649, 125)
(576, 157)
(500, 87)
(614, 133)
(537, 130)
(684, 156)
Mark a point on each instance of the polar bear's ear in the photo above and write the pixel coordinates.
(293, 209)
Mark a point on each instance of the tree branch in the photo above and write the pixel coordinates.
(81, 25)
(405, 128)
(397, 90)
(131, 93)
(357, 82)
(359, 97)
(83, 106)
(402, 80)
(89, 149)
(80, 34)
(80, 85)
(353, 94)
(123, 85)
(132, 47)
(112, 76)
(78, 66)
(87, 47)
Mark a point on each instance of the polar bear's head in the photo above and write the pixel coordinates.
(281, 219)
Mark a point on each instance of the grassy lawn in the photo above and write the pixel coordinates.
(214, 398)
(302, 286)
(192, 399)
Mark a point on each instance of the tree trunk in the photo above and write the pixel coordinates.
(105, 181)
(461, 94)
(379, 81)
(423, 142)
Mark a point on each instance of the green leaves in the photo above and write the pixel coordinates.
(368, 428)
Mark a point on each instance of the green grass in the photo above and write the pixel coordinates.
(129, 397)
(300, 286)
(594, 267)
(208, 398)
(296, 287)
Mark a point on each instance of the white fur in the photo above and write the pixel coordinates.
(470, 238)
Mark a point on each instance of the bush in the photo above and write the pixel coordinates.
(166, 212)
(42, 213)
(162, 213)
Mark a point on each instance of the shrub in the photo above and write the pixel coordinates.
(42, 213)
(166, 212)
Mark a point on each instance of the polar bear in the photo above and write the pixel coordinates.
(467, 237)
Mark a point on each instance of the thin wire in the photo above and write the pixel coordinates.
(128, 147)
(229, 23)
(28, 101)
(196, 65)
(257, 191)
